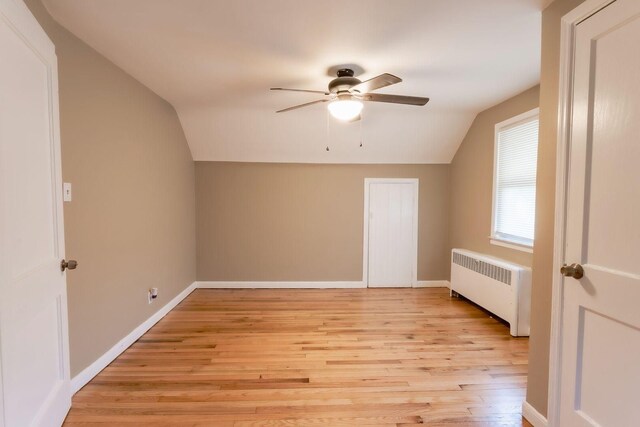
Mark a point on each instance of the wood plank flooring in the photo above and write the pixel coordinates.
(338, 358)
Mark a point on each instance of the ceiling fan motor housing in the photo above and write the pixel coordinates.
(344, 81)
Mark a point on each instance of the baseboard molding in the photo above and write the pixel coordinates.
(432, 284)
(307, 285)
(280, 285)
(533, 416)
(94, 369)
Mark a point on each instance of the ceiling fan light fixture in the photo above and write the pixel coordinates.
(345, 109)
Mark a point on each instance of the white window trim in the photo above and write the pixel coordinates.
(494, 238)
(511, 245)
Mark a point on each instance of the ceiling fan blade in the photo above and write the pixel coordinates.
(301, 90)
(378, 82)
(302, 105)
(395, 99)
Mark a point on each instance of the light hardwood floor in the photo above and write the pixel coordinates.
(338, 358)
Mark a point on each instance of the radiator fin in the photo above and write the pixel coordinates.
(486, 269)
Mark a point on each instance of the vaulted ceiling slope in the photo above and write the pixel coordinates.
(215, 60)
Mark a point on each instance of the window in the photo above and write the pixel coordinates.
(514, 177)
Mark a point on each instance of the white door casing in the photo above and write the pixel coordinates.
(595, 344)
(390, 232)
(34, 360)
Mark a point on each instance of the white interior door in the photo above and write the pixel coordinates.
(600, 335)
(34, 361)
(391, 232)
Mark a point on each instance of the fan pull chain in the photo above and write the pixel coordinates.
(361, 120)
(328, 131)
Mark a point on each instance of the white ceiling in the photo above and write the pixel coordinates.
(215, 60)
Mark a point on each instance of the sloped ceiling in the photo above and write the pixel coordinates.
(214, 61)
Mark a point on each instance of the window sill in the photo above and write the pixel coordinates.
(511, 245)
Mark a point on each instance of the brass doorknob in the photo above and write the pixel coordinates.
(574, 270)
(71, 264)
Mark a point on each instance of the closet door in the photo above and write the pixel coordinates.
(391, 232)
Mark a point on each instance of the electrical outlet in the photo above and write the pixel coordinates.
(152, 294)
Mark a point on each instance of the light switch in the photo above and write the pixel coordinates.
(66, 191)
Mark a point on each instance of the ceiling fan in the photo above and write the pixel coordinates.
(346, 93)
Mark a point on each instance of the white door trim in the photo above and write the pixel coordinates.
(365, 249)
(565, 93)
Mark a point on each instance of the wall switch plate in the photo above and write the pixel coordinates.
(152, 294)
(66, 191)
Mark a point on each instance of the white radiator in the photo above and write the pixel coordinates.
(501, 287)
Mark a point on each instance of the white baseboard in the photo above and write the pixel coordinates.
(307, 285)
(533, 416)
(432, 284)
(94, 369)
(280, 285)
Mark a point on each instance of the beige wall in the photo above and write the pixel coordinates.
(537, 390)
(304, 222)
(131, 224)
(472, 180)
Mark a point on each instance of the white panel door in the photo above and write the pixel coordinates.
(600, 347)
(392, 232)
(34, 361)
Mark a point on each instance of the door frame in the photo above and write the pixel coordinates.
(568, 25)
(365, 250)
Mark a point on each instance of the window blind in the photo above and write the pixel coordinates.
(515, 181)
